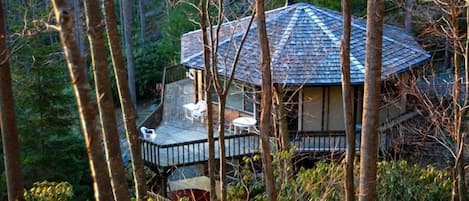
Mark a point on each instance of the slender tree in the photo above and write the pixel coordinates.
(409, 4)
(459, 184)
(266, 101)
(143, 26)
(203, 5)
(105, 102)
(126, 10)
(86, 107)
(11, 147)
(370, 121)
(220, 85)
(221, 90)
(128, 111)
(347, 101)
(281, 119)
(77, 8)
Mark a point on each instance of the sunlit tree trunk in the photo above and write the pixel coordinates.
(347, 101)
(105, 102)
(86, 107)
(203, 6)
(266, 102)
(128, 111)
(369, 139)
(126, 9)
(459, 184)
(11, 147)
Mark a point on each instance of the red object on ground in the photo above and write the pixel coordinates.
(192, 194)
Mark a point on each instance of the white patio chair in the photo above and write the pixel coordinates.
(148, 133)
(195, 111)
(199, 111)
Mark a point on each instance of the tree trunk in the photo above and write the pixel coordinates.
(105, 102)
(459, 184)
(11, 147)
(221, 144)
(128, 111)
(283, 135)
(347, 101)
(141, 12)
(266, 102)
(281, 120)
(86, 107)
(126, 9)
(369, 143)
(77, 8)
(203, 5)
(409, 5)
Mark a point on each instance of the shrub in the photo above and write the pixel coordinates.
(397, 180)
(49, 191)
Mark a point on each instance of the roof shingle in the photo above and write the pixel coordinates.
(304, 45)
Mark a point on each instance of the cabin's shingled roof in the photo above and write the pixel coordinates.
(304, 46)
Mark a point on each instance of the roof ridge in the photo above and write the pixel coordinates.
(323, 11)
(234, 34)
(284, 39)
(331, 35)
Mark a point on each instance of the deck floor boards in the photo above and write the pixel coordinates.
(175, 128)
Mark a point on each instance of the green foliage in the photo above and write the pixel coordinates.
(49, 191)
(324, 182)
(52, 147)
(397, 180)
(149, 70)
(151, 58)
(402, 181)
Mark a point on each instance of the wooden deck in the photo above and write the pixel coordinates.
(180, 141)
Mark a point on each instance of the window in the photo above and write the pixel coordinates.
(240, 97)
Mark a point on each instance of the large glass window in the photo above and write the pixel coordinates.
(240, 97)
(235, 98)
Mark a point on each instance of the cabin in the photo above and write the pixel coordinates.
(305, 60)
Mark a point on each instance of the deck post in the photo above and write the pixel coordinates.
(163, 181)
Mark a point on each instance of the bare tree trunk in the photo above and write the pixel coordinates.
(266, 102)
(105, 102)
(409, 5)
(347, 101)
(283, 135)
(221, 145)
(11, 146)
(77, 8)
(128, 111)
(369, 139)
(203, 5)
(86, 107)
(143, 26)
(281, 118)
(126, 9)
(458, 193)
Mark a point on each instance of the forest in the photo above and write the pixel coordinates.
(80, 78)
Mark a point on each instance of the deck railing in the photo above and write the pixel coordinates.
(321, 141)
(191, 152)
(170, 74)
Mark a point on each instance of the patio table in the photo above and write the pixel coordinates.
(244, 123)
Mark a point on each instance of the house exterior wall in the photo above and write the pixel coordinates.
(336, 110)
(312, 108)
(322, 108)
